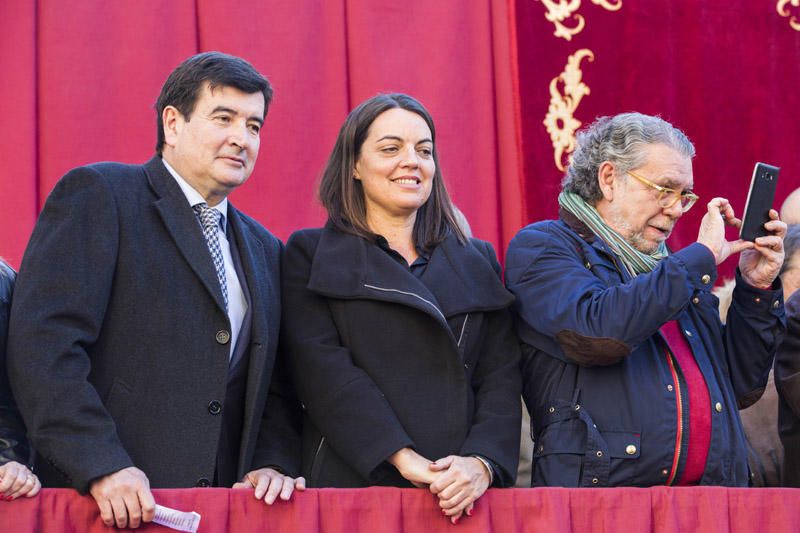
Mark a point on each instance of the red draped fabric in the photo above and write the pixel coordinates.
(390, 510)
(80, 80)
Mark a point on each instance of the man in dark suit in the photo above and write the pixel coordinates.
(144, 326)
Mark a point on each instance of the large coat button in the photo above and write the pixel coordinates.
(203, 482)
(214, 407)
(223, 336)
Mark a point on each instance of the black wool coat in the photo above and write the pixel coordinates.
(118, 340)
(383, 360)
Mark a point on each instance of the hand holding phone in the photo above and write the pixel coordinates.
(759, 201)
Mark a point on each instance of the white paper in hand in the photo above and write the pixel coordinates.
(177, 520)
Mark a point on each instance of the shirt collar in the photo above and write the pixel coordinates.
(422, 259)
(194, 197)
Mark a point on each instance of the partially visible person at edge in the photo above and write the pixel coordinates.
(760, 420)
(787, 364)
(790, 209)
(149, 358)
(629, 376)
(16, 477)
(398, 327)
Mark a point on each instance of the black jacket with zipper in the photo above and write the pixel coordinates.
(383, 360)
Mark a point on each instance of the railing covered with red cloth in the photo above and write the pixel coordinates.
(628, 510)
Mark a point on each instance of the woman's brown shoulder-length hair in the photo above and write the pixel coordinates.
(343, 196)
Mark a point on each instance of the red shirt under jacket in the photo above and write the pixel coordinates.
(699, 404)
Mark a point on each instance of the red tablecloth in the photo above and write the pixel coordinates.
(628, 510)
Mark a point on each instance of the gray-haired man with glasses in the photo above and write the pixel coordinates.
(630, 377)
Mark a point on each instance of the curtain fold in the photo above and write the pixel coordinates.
(96, 68)
(18, 132)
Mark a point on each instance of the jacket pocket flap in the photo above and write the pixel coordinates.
(622, 444)
(570, 438)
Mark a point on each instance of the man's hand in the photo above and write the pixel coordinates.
(124, 498)
(762, 264)
(460, 482)
(16, 480)
(413, 467)
(712, 230)
(270, 484)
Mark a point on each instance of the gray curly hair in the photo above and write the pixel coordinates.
(619, 139)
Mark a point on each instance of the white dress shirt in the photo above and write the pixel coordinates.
(237, 303)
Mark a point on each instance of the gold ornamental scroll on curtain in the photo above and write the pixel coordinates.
(567, 89)
(560, 10)
(783, 10)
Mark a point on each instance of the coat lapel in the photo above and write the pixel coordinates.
(255, 267)
(181, 223)
(348, 267)
(463, 279)
(265, 310)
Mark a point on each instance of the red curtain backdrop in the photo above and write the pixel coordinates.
(390, 510)
(80, 79)
(727, 72)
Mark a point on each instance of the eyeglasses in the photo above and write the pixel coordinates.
(668, 197)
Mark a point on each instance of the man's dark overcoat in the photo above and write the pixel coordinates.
(119, 344)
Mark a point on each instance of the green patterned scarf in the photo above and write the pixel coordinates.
(635, 261)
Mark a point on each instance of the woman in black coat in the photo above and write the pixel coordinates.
(398, 326)
(16, 479)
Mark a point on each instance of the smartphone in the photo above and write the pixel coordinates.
(759, 201)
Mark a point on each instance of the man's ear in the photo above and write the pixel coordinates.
(606, 174)
(173, 122)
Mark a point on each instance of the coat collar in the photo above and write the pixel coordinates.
(182, 225)
(584, 232)
(458, 278)
(577, 225)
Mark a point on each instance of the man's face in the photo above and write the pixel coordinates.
(216, 148)
(634, 211)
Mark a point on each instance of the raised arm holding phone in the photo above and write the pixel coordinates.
(629, 376)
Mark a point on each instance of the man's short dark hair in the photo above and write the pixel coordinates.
(183, 86)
